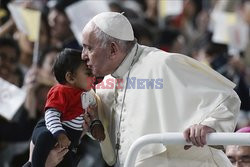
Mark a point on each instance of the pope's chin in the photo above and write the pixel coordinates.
(100, 72)
(96, 73)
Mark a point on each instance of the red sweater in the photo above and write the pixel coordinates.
(65, 99)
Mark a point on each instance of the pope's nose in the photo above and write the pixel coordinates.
(84, 56)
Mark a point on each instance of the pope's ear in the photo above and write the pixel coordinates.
(114, 50)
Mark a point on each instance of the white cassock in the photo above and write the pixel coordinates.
(167, 92)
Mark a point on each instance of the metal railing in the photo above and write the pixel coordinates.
(242, 139)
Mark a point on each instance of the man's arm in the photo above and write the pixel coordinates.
(55, 155)
(223, 119)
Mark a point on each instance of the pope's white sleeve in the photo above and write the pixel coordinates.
(224, 117)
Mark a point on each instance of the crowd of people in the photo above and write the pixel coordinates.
(190, 33)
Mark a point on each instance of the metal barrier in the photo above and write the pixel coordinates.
(242, 139)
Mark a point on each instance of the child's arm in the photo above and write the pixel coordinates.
(54, 125)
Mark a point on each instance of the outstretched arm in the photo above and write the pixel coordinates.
(223, 119)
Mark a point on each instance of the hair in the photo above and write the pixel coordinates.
(244, 1)
(168, 36)
(214, 49)
(67, 61)
(6, 41)
(61, 5)
(140, 31)
(44, 54)
(105, 39)
(45, 22)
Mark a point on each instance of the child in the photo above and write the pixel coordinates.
(65, 107)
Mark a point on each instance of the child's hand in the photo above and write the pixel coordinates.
(97, 130)
(63, 140)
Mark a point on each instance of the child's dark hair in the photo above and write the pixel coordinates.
(67, 61)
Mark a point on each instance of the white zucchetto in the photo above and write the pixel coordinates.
(115, 25)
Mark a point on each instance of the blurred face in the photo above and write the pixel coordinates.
(48, 63)
(46, 70)
(83, 78)
(189, 8)
(97, 58)
(41, 96)
(8, 61)
(239, 155)
(151, 4)
(246, 12)
(59, 25)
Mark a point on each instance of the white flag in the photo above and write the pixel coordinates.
(81, 12)
(11, 98)
(222, 23)
(27, 20)
(170, 7)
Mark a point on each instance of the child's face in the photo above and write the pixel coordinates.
(83, 78)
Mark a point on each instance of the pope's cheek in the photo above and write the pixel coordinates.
(94, 71)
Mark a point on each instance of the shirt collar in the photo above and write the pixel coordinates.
(126, 63)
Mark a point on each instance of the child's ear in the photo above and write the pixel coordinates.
(69, 77)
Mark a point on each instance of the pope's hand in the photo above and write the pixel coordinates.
(197, 135)
(89, 116)
(92, 124)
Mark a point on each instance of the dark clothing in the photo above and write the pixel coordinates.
(44, 142)
(243, 90)
(23, 128)
(71, 44)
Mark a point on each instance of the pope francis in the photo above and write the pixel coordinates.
(146, 90)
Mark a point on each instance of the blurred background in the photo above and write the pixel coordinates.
(32, 33)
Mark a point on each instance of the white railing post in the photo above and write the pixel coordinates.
(242, 139)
